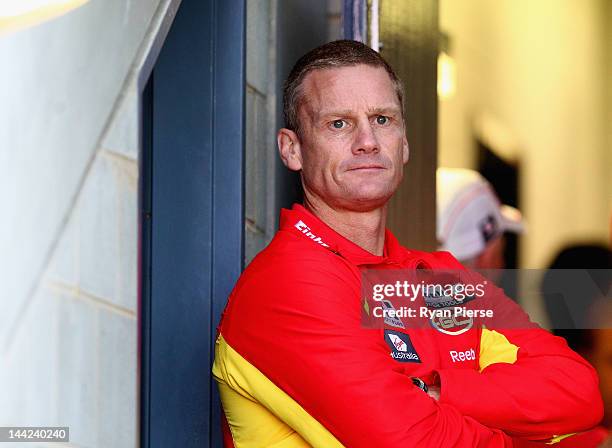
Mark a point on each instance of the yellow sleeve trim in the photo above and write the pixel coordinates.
(258, 412)
(557, 439)
(495, 348)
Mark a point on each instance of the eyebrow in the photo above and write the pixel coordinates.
(391, 109)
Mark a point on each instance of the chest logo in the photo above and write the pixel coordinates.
(303, 228)
(467, 355)
(389, 318)
(453, 326)
(446, 296)
(401, 346)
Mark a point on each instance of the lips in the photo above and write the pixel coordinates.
(375, 163)
(366, 167)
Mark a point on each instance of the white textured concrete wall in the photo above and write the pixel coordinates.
(68, 233)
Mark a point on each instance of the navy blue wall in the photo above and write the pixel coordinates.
(191, 217)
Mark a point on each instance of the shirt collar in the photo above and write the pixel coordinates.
(302, 222)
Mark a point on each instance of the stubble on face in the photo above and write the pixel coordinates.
(352, 138)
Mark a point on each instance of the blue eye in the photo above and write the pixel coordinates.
(338, 124)
(381, 119)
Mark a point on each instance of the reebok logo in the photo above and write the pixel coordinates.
(467, 355)
(303, 228)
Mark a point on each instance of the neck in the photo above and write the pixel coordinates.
(366, 229)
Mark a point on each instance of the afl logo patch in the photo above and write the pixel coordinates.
(453, 326)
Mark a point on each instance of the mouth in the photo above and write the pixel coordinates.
(367, 168)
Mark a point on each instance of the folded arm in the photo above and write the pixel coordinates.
(535, 385)
(306, 338)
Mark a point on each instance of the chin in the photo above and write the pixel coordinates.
(366, 202)
(372, 191)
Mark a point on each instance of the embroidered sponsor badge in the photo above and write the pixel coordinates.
(453, 326)
(389, 312)
(402, 349)
(443, 296)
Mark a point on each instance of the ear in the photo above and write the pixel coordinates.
(405, 149)
(290, 149)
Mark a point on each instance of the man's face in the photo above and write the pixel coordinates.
(353, 145)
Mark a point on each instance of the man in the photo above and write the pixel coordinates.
(294, 365)
(471, 221)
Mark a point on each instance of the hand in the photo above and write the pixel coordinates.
(607, 443)
(434, 392)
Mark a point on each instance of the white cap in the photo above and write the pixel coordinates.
(470, 214)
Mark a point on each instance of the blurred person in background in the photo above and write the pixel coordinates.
(471, 220)
(582, 313)
(568, 294)
(597, 348)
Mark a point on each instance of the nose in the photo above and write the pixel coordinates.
(365, 140)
